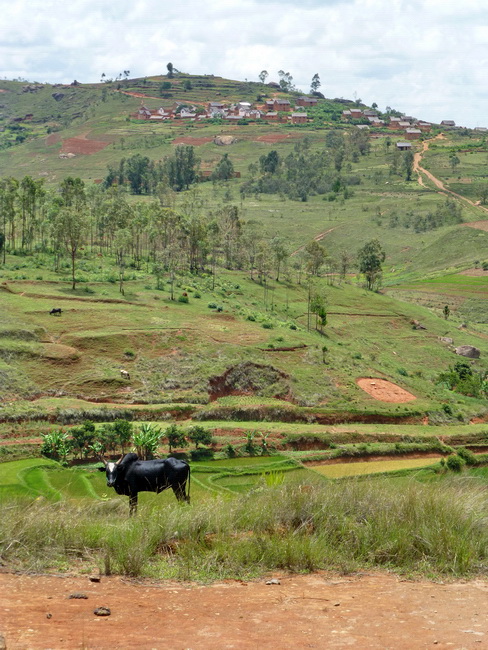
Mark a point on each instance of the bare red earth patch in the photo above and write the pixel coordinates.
(82, 146)
(384, 391)
(53, 138)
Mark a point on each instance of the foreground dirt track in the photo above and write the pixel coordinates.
(317, 611)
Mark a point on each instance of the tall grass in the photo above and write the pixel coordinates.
(425, 529)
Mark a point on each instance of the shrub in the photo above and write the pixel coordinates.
(202, 454)
(183, 298)
(230, 451)
(175, 436)
(467, 455)
(212, 305)
(455, 463)
(199, 435)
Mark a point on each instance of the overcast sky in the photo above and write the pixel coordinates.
(427, 58)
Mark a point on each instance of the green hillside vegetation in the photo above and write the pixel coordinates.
(210, 291)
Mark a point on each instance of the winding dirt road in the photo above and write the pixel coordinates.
(419, 170)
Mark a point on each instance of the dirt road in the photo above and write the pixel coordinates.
(369, 611)
(417, 167)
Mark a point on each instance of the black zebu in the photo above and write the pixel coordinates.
(129, 476)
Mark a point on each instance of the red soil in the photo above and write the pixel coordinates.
(82, 146)
(321, 610)
(384, 390)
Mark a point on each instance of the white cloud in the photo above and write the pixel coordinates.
(426, 57)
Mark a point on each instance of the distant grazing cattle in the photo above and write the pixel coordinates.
(56, 311)
(129, 476)
(124, 374)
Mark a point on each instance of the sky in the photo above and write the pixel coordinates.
(426, 58)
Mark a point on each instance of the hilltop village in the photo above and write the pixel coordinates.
(280, 110)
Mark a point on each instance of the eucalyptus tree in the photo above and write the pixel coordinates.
(121, 244)
(280, 254)
(8, 202)
(30, 193)
(71, 222)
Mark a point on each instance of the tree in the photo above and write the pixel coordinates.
(286, 81)
(315, 255)
(224, 169)
(408, 165)
(170, 69)
(315, 83)
(198, 435)
(83, 437)
(263, 75)
(71, 224)
(269, 163)
(446, 311)
(122, 241)
(280, 254)
(8, 200)
(181, 168)
(345, 262)
(318, 306)
(454, 161)
(370, 258)
(175, 436)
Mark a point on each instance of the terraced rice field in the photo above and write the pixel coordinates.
(340, 470)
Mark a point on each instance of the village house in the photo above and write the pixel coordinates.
(215, 106)
(424, 126)
(481, 128)
(448, 123)
(299, 118)
(370, 113)
(356, 113)
(306, 101)
(143, 113)
(404, 146)
(281, 105)
(394, 122)
(413, 134)
(346, 114)
(186, 114)
(403, 124)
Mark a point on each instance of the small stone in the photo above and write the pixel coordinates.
(95, 579)
(49, 615)
(79, 595)
(273, 581)
(102, 611)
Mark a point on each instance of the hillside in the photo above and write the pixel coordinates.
(339, 185)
